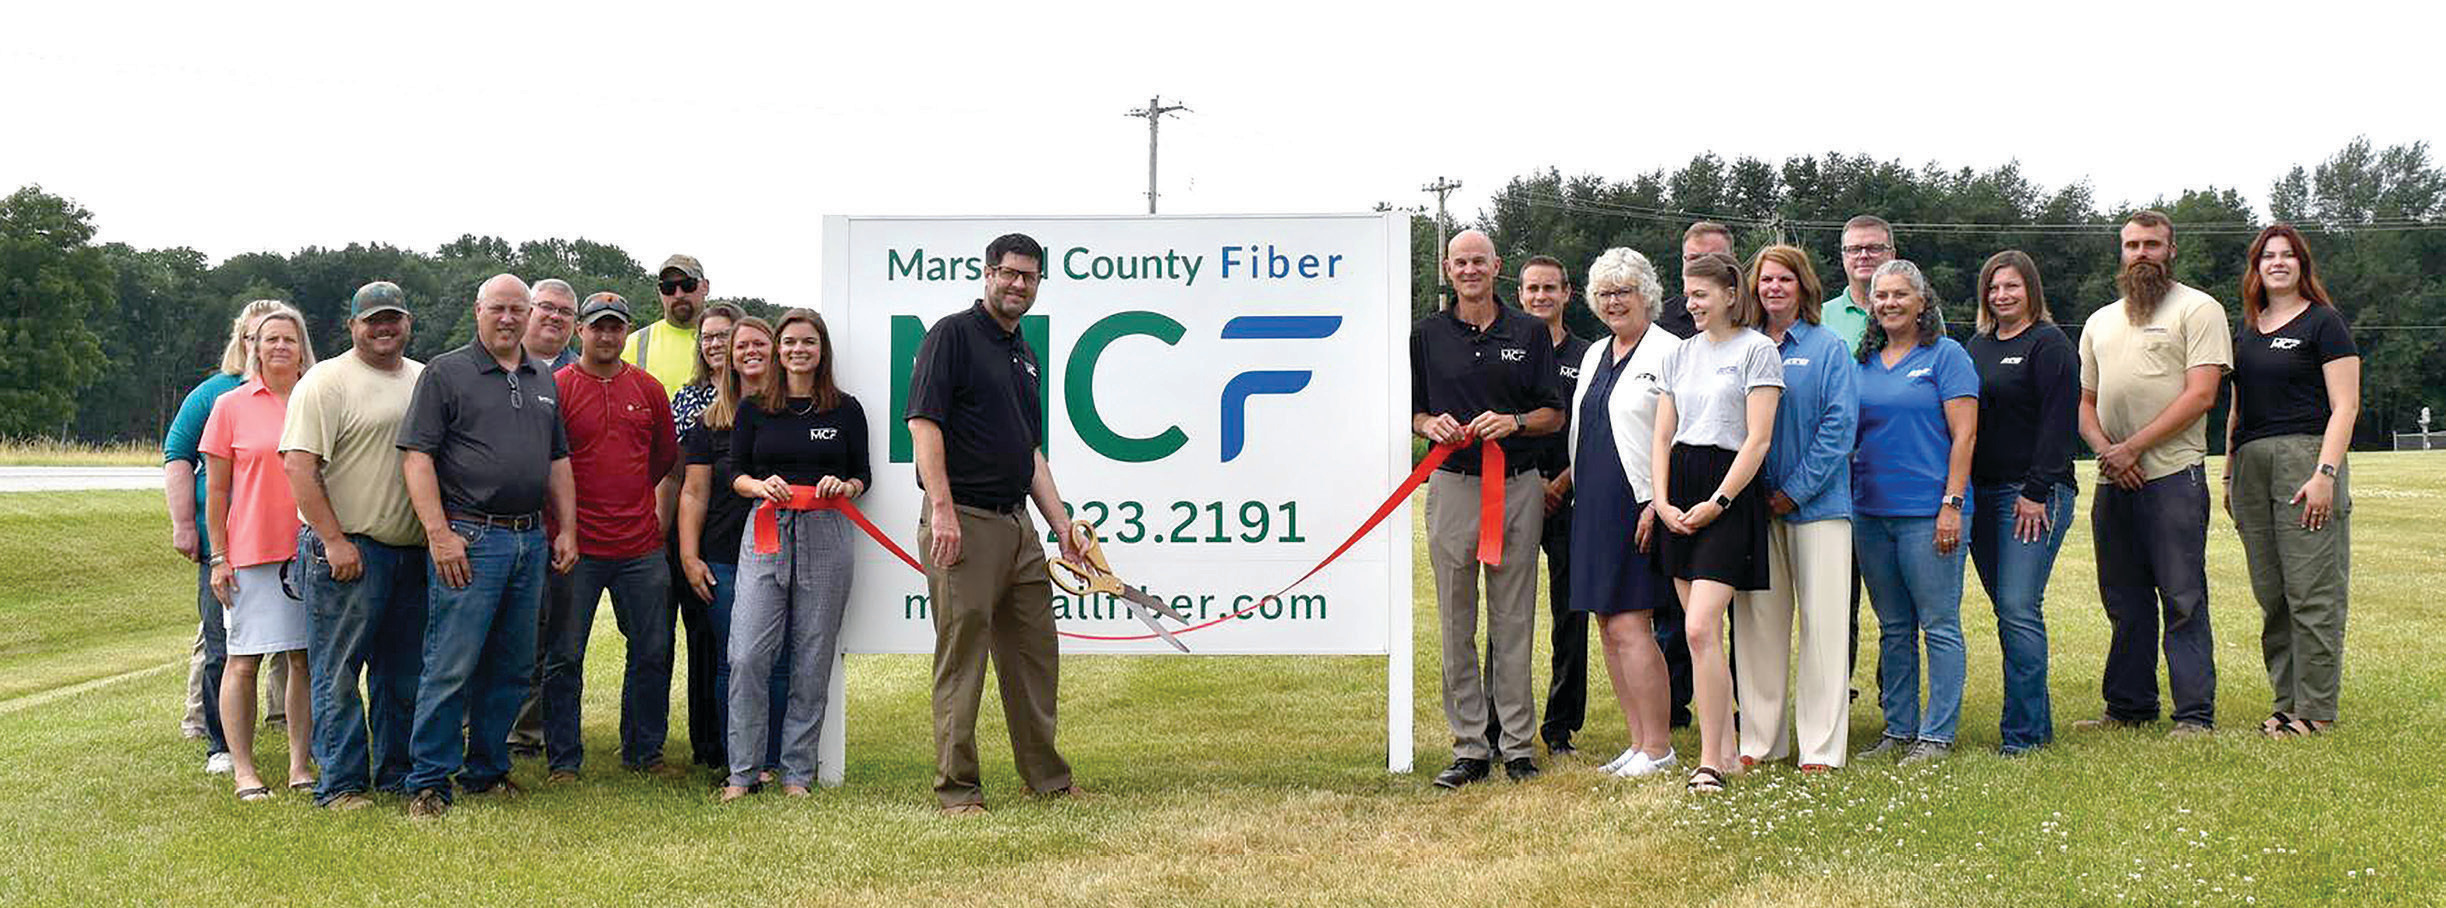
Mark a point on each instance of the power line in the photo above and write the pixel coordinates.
(1668, 215)
(1154, 113)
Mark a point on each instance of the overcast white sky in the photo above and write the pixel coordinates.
(728, 130)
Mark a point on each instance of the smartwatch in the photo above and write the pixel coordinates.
(1519, 424)
(1722, 502)
(2328, 470)
(1952, 501)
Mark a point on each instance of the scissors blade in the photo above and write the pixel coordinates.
(1152, 603)
(1149, 620)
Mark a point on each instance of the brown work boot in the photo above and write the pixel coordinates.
(964, 810)
(428, 805)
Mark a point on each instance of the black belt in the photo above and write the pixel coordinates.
(517, 523)
(1011, 509)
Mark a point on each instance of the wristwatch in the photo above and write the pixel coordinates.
(1519, 423)
(2328, 470)
(1952, 501)
(1722, 502)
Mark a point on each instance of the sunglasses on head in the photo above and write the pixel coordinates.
(682, 285)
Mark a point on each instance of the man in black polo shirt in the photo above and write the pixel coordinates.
(483, 450)
(1545, 294)
(974, 425)
(1482, 371)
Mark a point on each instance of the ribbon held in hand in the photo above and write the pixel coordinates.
(803, 498)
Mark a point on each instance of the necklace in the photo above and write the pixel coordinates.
(810, 408)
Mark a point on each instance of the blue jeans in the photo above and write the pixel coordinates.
(216, 658)
(2014, 573)
(725, 592)
(641, 603)
(1917, 594)
(479, 659)
(374, 624)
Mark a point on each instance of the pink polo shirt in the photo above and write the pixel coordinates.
(245, 428)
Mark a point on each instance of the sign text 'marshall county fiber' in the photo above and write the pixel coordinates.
(1255, 261)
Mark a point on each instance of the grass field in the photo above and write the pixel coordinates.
(1257, 780)
(46, 452)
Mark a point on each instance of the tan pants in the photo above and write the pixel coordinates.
(1511, 611)
(1808, 574)
(998, 600)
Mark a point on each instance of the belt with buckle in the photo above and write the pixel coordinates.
(516, 523)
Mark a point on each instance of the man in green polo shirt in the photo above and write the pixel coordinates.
(1868, 241)
(666, 349)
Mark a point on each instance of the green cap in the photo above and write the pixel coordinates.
(687, 264)
(379, 296)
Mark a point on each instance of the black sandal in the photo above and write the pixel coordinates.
(1705, 779)
(2280, 725)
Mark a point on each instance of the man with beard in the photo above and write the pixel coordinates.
(547, 341)
(1484, 372)
(481, 466)
(1545, 294)
(973, 426)
(362, 552)
(2150, 366)
(667, 348)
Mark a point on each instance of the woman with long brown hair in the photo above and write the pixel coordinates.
(2297, 392)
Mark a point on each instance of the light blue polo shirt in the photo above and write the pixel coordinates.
(1898, 469)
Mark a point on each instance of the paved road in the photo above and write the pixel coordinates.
(76, 479)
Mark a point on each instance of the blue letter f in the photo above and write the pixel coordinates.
(1249, 384)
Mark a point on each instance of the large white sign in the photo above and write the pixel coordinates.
(1226, 398)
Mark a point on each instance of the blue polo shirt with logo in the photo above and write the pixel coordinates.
(1899, 468)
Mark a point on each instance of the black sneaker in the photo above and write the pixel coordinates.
(1561, 748)
(1520, 769)
(428, 805)
(1462, 772)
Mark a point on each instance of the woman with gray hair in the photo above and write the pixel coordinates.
(1613, 428)
(1919, 419)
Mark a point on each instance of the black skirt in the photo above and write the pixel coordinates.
(1732, 549)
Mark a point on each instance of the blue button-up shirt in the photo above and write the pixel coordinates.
(1816, 425)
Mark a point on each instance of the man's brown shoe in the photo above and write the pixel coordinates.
(730, 793)
(662, 770)
(1070, 792)
(964, 810)
(348, 802)
(500, 791)
(428, 805)
(561, 777)
(2108, 723)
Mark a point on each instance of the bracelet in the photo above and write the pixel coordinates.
(218, 559)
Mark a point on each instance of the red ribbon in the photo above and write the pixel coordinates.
(1490, 524)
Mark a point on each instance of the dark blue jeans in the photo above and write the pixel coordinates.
(216, 657)
(479, 659)
(2014, 574)
(641, 603)
(2153, 562)
(725, 591)
(373, 625)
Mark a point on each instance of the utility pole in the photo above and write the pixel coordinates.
(1441, 187)
(1154, 113)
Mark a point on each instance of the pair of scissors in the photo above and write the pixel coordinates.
(1095, 575)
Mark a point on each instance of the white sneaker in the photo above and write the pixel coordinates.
(219, 764)
(1615, 766)
(1646, 765)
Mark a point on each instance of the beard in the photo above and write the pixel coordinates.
(2144, 284)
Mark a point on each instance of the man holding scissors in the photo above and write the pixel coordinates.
(974, 425)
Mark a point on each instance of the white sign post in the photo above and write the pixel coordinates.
(1226, 398)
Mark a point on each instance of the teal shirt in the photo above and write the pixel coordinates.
(187, 432)
(1847, 319)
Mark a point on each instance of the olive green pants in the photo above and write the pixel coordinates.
(2300, 575)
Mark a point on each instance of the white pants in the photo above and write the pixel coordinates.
(1811, 563)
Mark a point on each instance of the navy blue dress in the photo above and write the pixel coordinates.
(1609, 575)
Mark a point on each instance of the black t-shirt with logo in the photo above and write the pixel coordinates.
(801, 443)
(2029, 409)
(725, 510)
(2280, 378)
(1459, 370)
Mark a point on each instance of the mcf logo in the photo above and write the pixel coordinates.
(1079, 376)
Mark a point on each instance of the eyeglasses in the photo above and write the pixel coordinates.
(1867, 249)
(683, 285)
(719, 337)
(1018, 276)
(1616, 294)
(556, 309)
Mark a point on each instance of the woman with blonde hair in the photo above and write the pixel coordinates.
(253, 522)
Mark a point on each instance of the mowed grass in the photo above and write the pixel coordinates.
(1259, 780)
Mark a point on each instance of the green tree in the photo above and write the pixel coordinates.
(52, 281)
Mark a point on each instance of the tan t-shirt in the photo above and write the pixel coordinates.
(348, 413)
(2137, 370)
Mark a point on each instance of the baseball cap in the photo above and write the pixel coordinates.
(602, 304)
(379, 296)
(687, 264)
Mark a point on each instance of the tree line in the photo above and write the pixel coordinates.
(2375, 219)
(99, 342)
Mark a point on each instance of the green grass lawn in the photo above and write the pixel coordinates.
(1258, 780)
(46, 452)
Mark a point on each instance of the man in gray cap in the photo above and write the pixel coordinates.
(361, 551)
(621, 441)
(667, 348)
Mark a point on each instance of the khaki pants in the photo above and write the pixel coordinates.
(1808, 574)
(997, 600)
(2299, 575)
(1511, 611)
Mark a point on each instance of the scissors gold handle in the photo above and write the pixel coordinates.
(1091, 573)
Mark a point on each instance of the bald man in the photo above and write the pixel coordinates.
(484, 453)
(1483, 372)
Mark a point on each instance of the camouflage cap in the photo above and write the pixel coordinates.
(687, 264)
(603, 305)
(379, 296)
